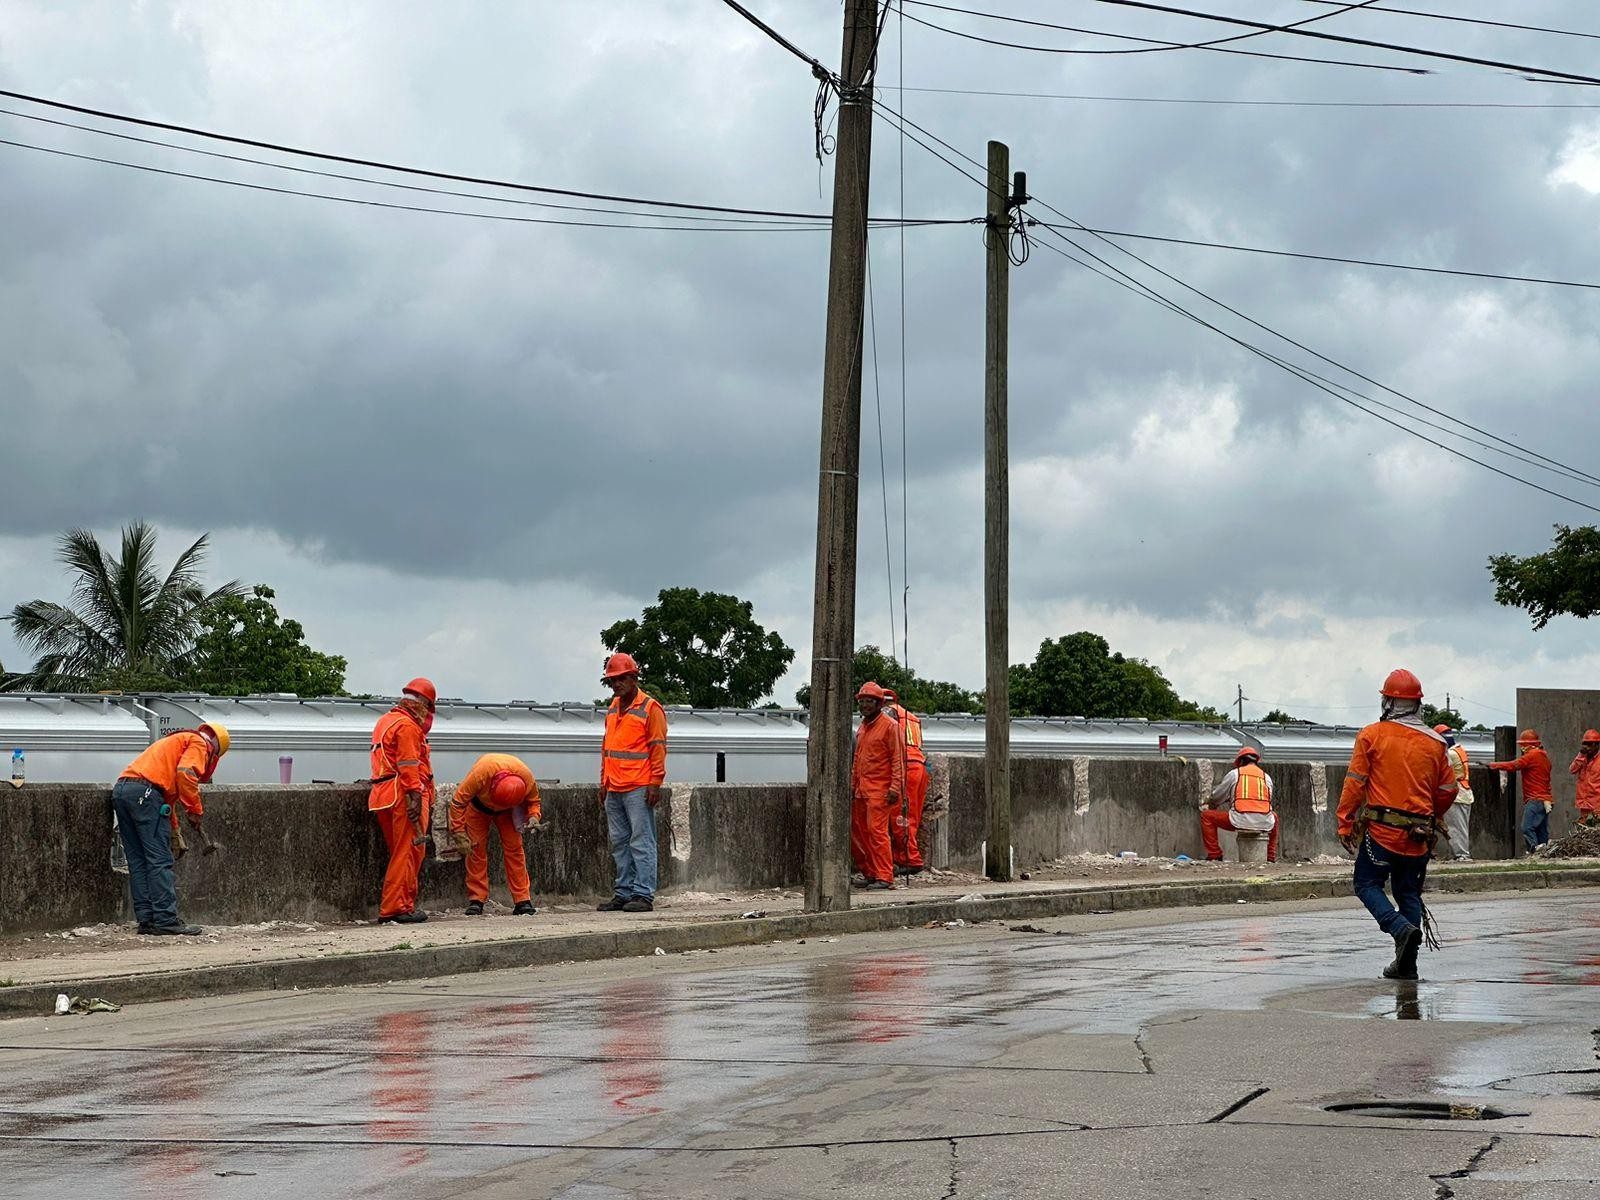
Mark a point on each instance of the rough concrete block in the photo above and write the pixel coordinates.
(747, 836)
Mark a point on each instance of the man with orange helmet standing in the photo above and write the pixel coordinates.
(1245, 800)
(633, 765)
(905, 827)
(1399, 784)
(1587, 768)
(500, 792)
(1458, 820)
(401, 774)
(146, 798)
(877, 785)
(1533, 765)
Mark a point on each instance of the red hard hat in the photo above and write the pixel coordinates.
(1246, 752)
(888, 694)
(619, 664)
(507, 789)
(1441, 729)
(1402, 685)
(1528, 738)
(1591, 735)
(422, 689)
(871, 688)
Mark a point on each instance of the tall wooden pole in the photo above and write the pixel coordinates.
(997, 520)
(829, 744)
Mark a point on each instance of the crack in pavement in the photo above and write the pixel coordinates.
(955, 1171)
(1144, 1054)
(1247, 1098)
(1443, 1190)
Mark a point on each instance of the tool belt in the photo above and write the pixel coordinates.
(1418, 826)
(380, 778)
(486, 810)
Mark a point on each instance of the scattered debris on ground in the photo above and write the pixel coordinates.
(82, 1006)
(1580, 843)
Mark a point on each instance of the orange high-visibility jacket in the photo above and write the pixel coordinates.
(177, 764)
(476, 789)
(878, 769)
(399, 759)
(1535, 768)
(1588, 772)
(1252, 790)
(912, 725)
(1399, 766)
(634, 752)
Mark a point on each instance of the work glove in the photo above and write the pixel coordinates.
(539, 826)
(1549, 806)
(460, 840)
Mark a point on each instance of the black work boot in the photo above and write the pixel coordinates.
(612, 905)
(639, 904)
(523, 908)
(474, 908)
(1406, 945)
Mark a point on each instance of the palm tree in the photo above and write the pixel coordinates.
(126, 626)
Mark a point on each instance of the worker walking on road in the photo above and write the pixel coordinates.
(402, 775)
(1587, 768)
(633, 765)
(877, 787)
(1533, 766)
(146, 798)
(499, 792)
(1242, 802)
(1399, 784)
(905, 827)
(1458, 819)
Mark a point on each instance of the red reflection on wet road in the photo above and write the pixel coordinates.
(634, 1019)
(403, 1083)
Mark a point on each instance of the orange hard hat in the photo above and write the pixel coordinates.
(1591, 735)
(507, 789)
(422, 689)
(1441, 729)
(1402, 685)
(619, 664)
(889, 694)
(1246, 752)
(871, 688)
(1528, 738)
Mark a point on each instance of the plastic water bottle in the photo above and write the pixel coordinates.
(119, 856)
(19, 768)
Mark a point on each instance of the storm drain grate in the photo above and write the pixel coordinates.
(1420, 1110)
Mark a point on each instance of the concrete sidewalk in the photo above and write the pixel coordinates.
(115, 963)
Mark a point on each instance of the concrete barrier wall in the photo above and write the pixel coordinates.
(1560, 715)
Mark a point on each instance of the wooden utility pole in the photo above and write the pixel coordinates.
(1240, 702)
(997, 519)
(828, 743)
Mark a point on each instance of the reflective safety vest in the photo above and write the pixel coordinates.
(634, 753)
(400, 760)
(912, 724)
(1250, 790)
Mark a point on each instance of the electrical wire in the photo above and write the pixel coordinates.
(905, 485)
(1334, 258)
(883, 470)
(1435, 16)
(1211, 100)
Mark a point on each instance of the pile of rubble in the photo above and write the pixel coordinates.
(1580, 843)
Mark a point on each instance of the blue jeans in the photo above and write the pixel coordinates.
(1404, 873)
(1535, 824)
(632, 825)
(146, 832)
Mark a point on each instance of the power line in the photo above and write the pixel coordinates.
(1334, 258)
(1544, 74)
(816, 67)
(1434, 16)
(905, 486)
(1221, 101)
(883, 470)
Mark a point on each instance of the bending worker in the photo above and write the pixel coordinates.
(633, 765)
(1399, 783)
(1242, 802)
(401, 776)
(1587, 768)
(499, 791)
(146, 799)
(1533, 764)
(1458, 819)
(877, 786)
(905, 827)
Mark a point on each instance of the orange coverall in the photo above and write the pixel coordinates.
(1397, 766)
(400, 764)
(903, 838)
(1588, 772)
(1534, 764)
(472, 809)
(877, 783)
(176, 764)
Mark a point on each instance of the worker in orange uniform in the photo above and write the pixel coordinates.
(633, 765)
(1399, 784)
(877, 786)
(498, 792)
(1587, 768)
(1533, 764)
(146, 798)
(1458, 820)
(1242, 802)
(905, 828)
(401, 776)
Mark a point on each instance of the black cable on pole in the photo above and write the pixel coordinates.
(1485, 21)
(905, 486)
(1244, 103)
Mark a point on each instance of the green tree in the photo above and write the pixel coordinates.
(918, 694)
(701, 648)
(127, 626)
(1079, 676)
(1442, 716)
(1278, 717)
(1563, 581)
(246, 649)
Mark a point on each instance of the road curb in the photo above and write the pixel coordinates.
(385, 966)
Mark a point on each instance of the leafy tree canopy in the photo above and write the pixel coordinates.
(918, 694)
(245, 649)
(1563, 581)
(1278, 717)
(1079, 676)
(701, 648)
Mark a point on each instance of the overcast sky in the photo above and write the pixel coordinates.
(461, 447)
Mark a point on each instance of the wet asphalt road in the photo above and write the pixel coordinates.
(1147, 1055)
